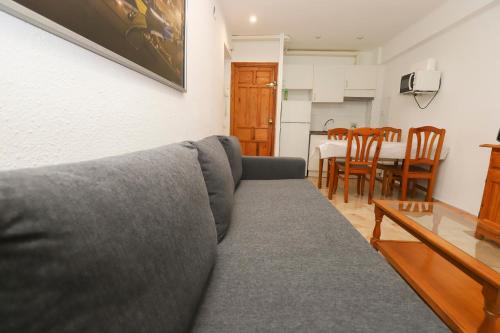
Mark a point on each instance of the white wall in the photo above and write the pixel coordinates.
(319, 60)
(61, 103)
(452, 12)
(468, 105)
(227, 89)
(255, 50)
(367, 57)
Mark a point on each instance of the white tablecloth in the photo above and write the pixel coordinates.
(389, 150)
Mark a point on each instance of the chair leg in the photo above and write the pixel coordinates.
(414, 189)
(390, 184)
(371, 190)
(328, 166)
(363, 178)
(387, 189)
(346, 187)
(393, 184)
(384, 179)
(320, 173)
(358, 185)
(385, 183)
(404, 188)
(331, 183)
(335, 178)
(430, 189)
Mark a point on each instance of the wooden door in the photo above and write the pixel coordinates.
(253, 106)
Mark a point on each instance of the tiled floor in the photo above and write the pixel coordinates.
(361, 214)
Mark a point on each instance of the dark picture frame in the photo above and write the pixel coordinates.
(147, 36)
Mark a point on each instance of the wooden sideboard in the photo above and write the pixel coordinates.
(489, 215)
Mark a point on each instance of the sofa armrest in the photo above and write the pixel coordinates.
(267, 168)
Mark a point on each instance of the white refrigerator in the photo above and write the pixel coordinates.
(295, 127)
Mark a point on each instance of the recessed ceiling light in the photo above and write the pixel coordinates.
(318, 37)
(360, 37)
(253, 19)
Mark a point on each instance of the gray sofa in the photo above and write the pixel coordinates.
(130, 244)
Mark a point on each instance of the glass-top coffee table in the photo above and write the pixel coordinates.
(457, 274)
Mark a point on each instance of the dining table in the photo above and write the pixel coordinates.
(388, 151)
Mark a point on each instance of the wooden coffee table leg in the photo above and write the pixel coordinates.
(491, 321)
(379, 215)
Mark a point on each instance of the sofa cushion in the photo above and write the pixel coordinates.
(232, 147)
(219, 180)
(123, 244)
(295, 264)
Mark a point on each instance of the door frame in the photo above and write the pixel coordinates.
(274, 65)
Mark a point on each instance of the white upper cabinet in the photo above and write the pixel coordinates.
(298, 77)
(329, 84)
(361, 81)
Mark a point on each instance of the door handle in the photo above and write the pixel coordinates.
(271, 121)
(272, 85)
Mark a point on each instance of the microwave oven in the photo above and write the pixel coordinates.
(420, 82)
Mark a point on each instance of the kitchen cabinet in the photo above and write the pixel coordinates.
(328, 84)
(360, 81)
(298, 77)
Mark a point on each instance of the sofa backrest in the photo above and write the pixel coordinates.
(219, 181)
(123, 244)
(232, 147)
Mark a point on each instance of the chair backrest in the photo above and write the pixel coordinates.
(429, 143)
(366, 148)
(391, 134)
(337, 134)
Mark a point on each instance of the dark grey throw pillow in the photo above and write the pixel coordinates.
(232, 147)
(219, 181)
(122, 244)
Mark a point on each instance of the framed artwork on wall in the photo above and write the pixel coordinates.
(148, 36)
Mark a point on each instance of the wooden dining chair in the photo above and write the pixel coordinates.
(333, 134)
(361, 160)
(421, 163)
(390, 134)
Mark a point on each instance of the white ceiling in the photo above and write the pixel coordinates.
(338, 22)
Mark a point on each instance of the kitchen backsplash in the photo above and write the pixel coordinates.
(345, 114)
